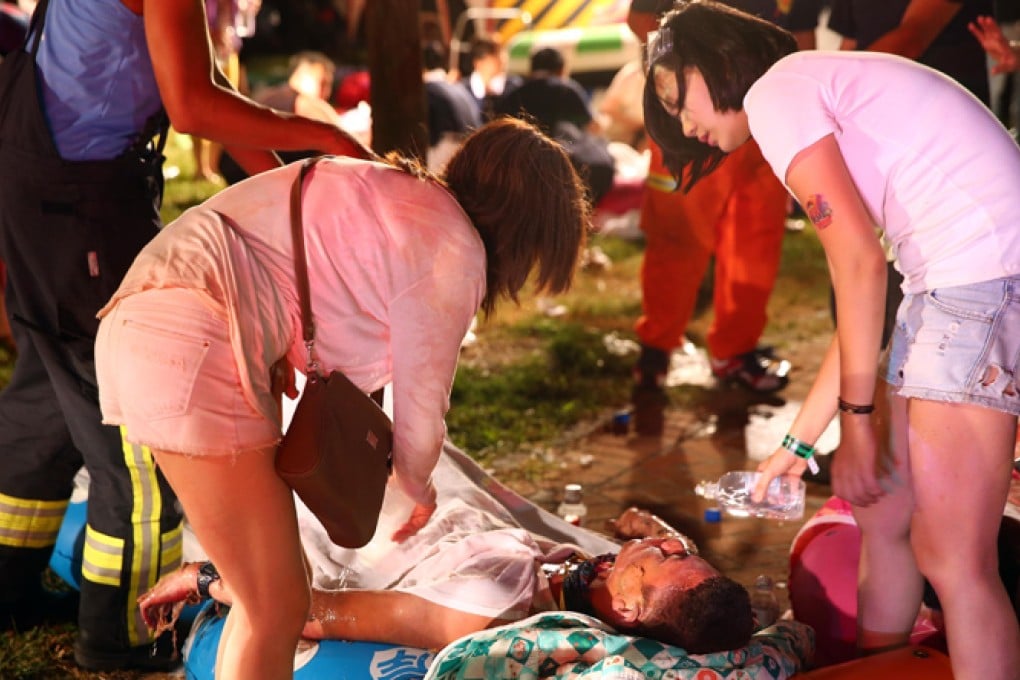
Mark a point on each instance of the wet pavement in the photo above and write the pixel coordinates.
(709, 430)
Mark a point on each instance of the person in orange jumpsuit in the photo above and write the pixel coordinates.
(736, 215)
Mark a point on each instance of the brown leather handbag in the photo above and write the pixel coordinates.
(338, 451)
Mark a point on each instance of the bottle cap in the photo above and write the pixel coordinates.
(713, 515)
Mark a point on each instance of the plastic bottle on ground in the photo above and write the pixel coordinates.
(764, 601)
(783, 500)
(573, 509)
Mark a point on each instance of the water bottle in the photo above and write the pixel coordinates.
(784, 498)
(572, 509)
(764, 601)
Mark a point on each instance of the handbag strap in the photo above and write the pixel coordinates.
(301, 272)
(300, 259)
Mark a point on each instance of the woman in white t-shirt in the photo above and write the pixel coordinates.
(864, 141)
(399, 262)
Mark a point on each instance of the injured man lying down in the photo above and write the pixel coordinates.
(490, 565)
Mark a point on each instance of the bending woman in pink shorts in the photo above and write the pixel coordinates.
(399, 262)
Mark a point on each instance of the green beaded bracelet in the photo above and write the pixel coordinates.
(802, 450)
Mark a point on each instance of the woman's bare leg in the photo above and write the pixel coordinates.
(243, 514)
(889, 585)
(961, 455)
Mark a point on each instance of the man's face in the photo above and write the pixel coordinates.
(654, 563)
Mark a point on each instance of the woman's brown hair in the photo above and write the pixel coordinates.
(527, 203)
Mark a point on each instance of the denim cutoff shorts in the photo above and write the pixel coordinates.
(167, 373)
(959, 344)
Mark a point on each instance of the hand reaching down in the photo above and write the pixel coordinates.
(162, 604)
(418, 519)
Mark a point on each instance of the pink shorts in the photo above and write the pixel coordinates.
(167, 372)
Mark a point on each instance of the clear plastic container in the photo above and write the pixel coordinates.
(573, 509)
(764, 601)
(784, 499)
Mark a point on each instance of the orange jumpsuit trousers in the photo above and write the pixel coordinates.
(736, 213)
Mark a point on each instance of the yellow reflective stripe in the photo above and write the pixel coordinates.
(102, 558)
(29, 504)
(147, 505)
(30, 523)
(660, 182)
(173, 550)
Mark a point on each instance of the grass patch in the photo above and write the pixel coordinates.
(182, 190)
(568, 376)
(43, 653)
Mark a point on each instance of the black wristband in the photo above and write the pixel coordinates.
(859, 409)
(206, 575)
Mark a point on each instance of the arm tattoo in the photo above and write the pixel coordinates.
(818, 211)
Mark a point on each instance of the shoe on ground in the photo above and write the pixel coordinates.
(159, 657)
(648, 414)
(758, 371)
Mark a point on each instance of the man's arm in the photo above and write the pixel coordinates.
(316, 109)
(389, 616)
(357, 615)
(200, 101)
(922, 22)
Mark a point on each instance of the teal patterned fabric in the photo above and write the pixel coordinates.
(569, 646)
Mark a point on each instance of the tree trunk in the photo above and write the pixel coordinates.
(399, 122)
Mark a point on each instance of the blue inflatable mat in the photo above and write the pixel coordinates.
(328, 659)
(66, 557)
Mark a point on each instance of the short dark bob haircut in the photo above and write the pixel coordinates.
(732, 50)
(713, 616)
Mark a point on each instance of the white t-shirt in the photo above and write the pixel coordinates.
(396, 270)
(936, 170)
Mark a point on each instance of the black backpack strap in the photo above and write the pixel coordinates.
(35, 28)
